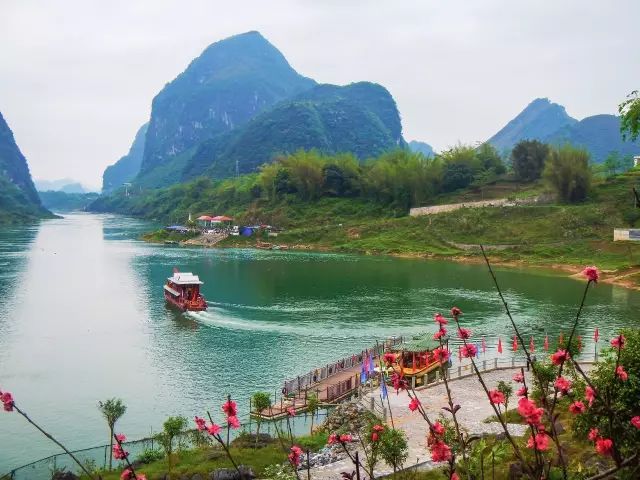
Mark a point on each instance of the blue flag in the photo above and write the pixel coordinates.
(477, 350)
(371, 366)
(363, 372)
(383, 388)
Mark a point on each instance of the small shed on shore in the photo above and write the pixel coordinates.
(626, 234)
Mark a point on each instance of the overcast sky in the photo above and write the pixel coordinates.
(77, 76)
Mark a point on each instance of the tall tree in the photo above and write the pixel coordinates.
(630, 116)
(567, 171)
(527, 159)
(112, 409)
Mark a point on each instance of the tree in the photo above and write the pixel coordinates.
(567, 171)
(393, 447)
(172, 427)
(313, 403)
(261, 401)
(612, 163)
(490, 159)
(112, 409)
(506, 390)
(455, 176)
(527, 159)
(629, 111)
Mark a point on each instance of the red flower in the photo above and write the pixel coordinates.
(119, 453)
(233, 422)
(213, 429)
(518, 377)
(559, 357)
(333, 438)
(464, 333)
(562, 384)
(389, 358)
(441, 355)
(496, 396)
(414, 404)
(375, 437)
(440, 319)
(469, 350)
(618, 342)
(622, 375)
(529, 411)
(593, 434)
(455, 311)
(522, 391)
(121, 438)
(295, 456)
(440, 333)
(591, 273)
(291, 412)
(230, 408)
(7, 401)
(540, 442)
(440, 451)
(201, 423)
(577, 407)
(346, 438)
(635, 421)
(437, 428)
(604, 446)
(378, 428)
(128, 475)
(398, 382)
(590, 394)
(454, 476)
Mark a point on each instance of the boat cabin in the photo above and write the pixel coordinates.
(183, 291)
(414, 359)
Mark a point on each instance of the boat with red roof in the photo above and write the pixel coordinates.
(182, 290)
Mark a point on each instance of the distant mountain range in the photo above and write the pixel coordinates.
(239, 104)
(19, 200)
(421, 147)
(549, 122)
(66, 185)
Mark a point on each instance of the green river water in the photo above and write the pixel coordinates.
(82, 318)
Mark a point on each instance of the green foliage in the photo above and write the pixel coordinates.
(172, 427)
(567, 171)
(528, 158)
(281, 471)
(66, 202)
(393, 447)
(507, 390)
(483, 452)
(623, 397)
(112, 409)
(629, 111)
(260, 401)
(149, 456)
(313, 404)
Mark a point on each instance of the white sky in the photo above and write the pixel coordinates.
(77, 76)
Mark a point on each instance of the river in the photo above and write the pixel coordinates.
(82, 319)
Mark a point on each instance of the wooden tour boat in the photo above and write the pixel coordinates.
(182, 290)
(414, 358)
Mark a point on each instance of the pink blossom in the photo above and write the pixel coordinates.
(213, 429)
(291, 412)
(233, 422)
(540, 443)
(496, 396)
(635, 421)
(389, 358)
(469, 350)
(590, 394)
(378, 428)
(414, 404)
(440, 319)
(346, 438)
(121, 438)
(437, 428)
(559, 357)
(7, 401)
(464, 333)
(119, 453)
(562, 384)
(454, 476)
(440, 451)
(230, 408)
(522, 391)
(295, 456)
(201, 423)
(333, 438)
(591, 273)
(594, 433)
(577, 407)
(455, 311)
(398, 382)
(374, 436)
(622, 375)
(127, 474)
(604, 446)
(440, 333)
(531, 413)
(441, 355)
(618, 342)
(518, 377)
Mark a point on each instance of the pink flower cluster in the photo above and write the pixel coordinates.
(201, 425)
(118, 452)
(496, 396)
(559, 357)
(592, 274)
(7, 401)
(295, 457)
(531, 413)
(398, 382)
(230, 409)
(563, 385)
(604, 446)
(440, 451)
(618, 342)
(335, 438)
(377, 430)
(128, 475)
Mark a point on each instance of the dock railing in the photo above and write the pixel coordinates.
(308, 380)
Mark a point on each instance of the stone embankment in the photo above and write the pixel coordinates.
(498, 202)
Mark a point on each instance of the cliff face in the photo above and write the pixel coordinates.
(19, 200)
(537, 121)
(125, 169)
(228, 84)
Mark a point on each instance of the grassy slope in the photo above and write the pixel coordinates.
(541, 235)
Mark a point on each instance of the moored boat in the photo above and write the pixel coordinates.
(182, 290)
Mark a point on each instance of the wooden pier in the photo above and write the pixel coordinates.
(331, 383)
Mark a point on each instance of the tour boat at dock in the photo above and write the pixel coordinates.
(182, 290)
